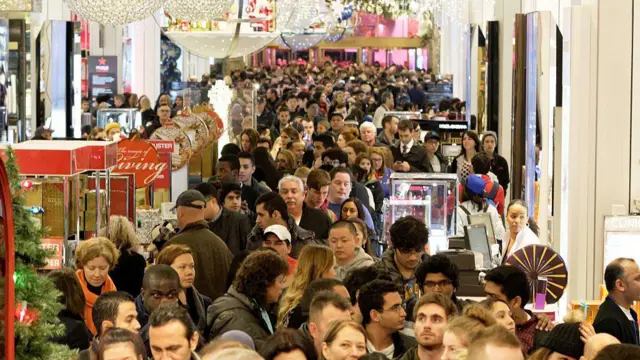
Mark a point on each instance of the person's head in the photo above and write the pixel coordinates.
(494, 342)
(121, 233)
(501, 313)
(160, 285)
(461, 329)
(438, 274)
(368, 133)
(278, 238)
(381, 306)
(321, 143)
(247, 167)
(431, 314)
(405, 131)
(318, 182)
(289, 134)
(262, 276)
(228, 168)
(271, 209)
(326, 307)
(619, 352)
(284, 116)
(96, 257)
(340, 189)
(249, 139)
(431, 142)
(292, 103)
(308, 126)
(323, 126)
(517, 215)
(390, 124)
(180, 258)
(409, 237)
(225, 343)
(71, 294)
(337, 122)
(115, 309)
(118, 344)
(481, 163)
(264, 142)
(298, 148)
(622, 278)
(291, 188)
(346, 136)
(113, 131)
(470, 142)
(352, 208)
(335, 158)
(285, 160)
(563, 342)
(164, 113)
(510, 284)
(343, 240)
(489, 142)
(344, 340)
(596, 343)
(287, 344)
(377, 160)
(172, 334)
(190, 207)
(230, 149)
(211, 194)
(231, 196)
(118, 100)
(363, 160)
(387, 99)
(86, 105)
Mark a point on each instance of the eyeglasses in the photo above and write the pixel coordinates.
(410, 251)
(396, 308)
(440, 284)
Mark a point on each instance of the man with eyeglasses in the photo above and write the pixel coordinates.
(383, 315)
(409, 237)
(160, 285)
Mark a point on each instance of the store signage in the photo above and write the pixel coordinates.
(165, 149)
(54, 261)
(103, 75)
(140, 158)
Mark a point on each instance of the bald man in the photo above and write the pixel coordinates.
(597, 343)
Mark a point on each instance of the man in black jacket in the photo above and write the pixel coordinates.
(232, 227)
(383, 316)
(615, 316)
(408, 156)
(291, 189)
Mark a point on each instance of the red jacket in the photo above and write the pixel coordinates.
(498, 200)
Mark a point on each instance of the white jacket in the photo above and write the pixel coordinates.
(524, 238)
(462, 219)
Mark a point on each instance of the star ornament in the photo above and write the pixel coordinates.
(102, 61)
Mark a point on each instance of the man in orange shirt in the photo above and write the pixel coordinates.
(278, 238)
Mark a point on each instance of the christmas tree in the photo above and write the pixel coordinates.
(36, 297)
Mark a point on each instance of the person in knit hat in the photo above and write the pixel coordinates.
(565, 341)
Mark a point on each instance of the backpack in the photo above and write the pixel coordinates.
(491, 195)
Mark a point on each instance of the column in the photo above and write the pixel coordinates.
(146, 58)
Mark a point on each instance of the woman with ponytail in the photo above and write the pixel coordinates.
(523, 231)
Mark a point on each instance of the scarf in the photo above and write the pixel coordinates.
(90, 298)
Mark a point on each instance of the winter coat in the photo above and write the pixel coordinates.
(197, 305)
(235, 311)
(128, 272)
(361, 260)
(387, 265)
(233, 228)
(77, 335)
(299, 238)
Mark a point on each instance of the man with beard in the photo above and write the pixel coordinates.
(432, 313)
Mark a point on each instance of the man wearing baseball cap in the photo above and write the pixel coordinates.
(436, 162)
(278, 238)
(211, 254)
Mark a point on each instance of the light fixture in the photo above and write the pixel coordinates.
(114, 12)
(197, 10)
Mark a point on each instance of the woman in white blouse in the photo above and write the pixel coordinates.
(523, 230)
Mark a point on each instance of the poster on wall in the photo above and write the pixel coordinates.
(103, 76)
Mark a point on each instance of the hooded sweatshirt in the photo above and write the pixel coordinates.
(362, 259)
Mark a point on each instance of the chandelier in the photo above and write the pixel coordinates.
(114, 12)
(197, 10)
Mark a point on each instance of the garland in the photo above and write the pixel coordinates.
(390, 9)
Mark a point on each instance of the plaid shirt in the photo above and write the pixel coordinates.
(526, 333)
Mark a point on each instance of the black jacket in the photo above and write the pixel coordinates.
(128, 273)
(317, 221)
(416, 157)
(267, 118)
(402, 344)
(197, 305)
(500, 167)
(233, 228)
(235, 311)
(443, 164)
(611, 320)
(299, 238)
(378, 194)
(211, 255)
(77, 335)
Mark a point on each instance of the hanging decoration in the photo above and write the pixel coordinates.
(197, 10)
(26, 315)
(307, 27)
(27, 185)
(114, 12)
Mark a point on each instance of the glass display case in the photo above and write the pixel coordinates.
(127, 118)
(431, 198)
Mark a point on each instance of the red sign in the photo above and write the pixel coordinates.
(54, 262)
(165, 148)
(140, 158)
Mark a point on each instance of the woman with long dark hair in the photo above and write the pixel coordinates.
(265, 163)
(462, 164)
(77, 335)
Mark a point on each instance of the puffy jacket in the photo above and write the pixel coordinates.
(299, 238)
(361, 260)
(235, 311)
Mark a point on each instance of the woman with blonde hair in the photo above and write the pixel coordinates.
(314, 262)
(128, 273)
(462, 328)
(94, 259)
(345, 339)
